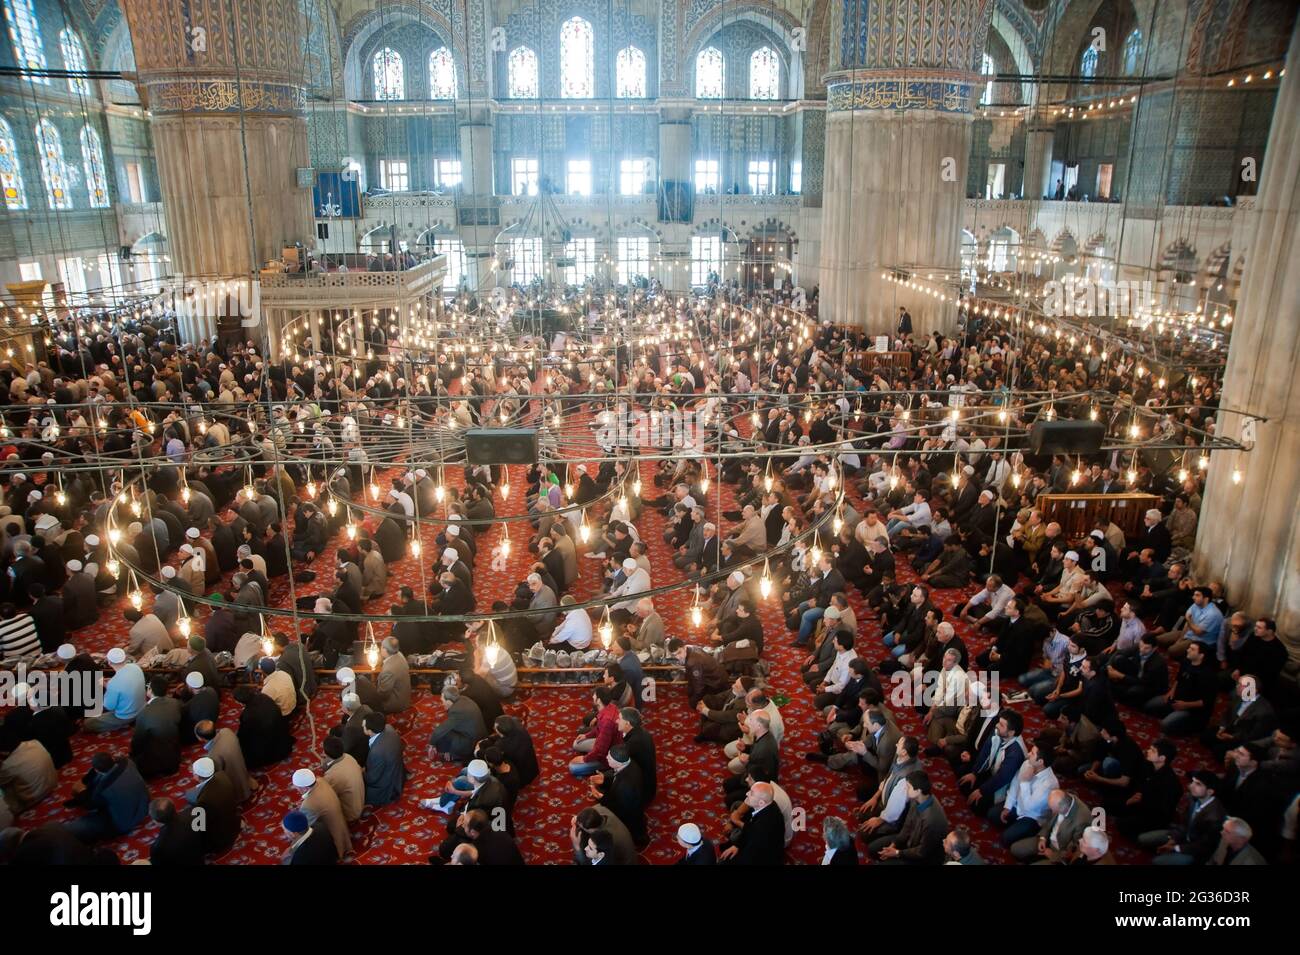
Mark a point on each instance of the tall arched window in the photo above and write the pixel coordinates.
(764, 74)
(442, 74)
(74, 61)
(521, 73)
(92, 161)
(1088, 63)
(53, 168)
(987, 69)
(577, 60)
(1133, 53)
(390, 79)
(629, 73)
(25, 34)
(11, 170)
(710, 74)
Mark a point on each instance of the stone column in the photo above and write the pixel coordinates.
(898, 135)
(1249, 533)
(226, 105)
(674, 145)
(476, 155)
(1038, 161)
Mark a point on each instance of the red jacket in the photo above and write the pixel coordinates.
(606, 733)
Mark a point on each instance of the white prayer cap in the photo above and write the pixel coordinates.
(392, 495)
(135, 527)
(351, 700)
(345, 675)
(736, 577)
(832, 613)
(303, 778)
(192, 533)
(968, 470)
(74, 566)
(1072, 555)
(1097, 535)
(478, 769)
(168, 572)
(323, 605)
(422, 474)
(187, 549)
(453, 517)
(116, 655)
(19, 478)
(689, 833)
(452, 553)
(582, 469)
(453, 530)
(92, 540)
(629, 564)
(204, 767)
(66, 651)
(33, 496)
(194, 680)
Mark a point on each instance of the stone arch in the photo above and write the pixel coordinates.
(777, 23)
(363, 27)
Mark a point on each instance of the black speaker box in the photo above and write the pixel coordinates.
(1066, 437)
(501, 445)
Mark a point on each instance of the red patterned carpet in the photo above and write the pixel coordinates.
(690, 774)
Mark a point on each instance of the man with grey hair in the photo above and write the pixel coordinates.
(1234, 847)
(762, 755)
(543, 602)
(647, 629)
(461, 729)
(392, 691)
(1094, 847)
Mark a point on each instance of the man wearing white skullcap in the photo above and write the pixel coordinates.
(699, 850)
(66, 652)
(124, 697)
(636, 581)
(74, 566)
(215, 795)
(1057, 600)
(452, 562)
(92, 540)
(321, 804)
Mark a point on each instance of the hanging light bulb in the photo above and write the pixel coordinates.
(137, 599)
(374, 491)
(837, 524)
(704, 485)
(696, 616)
(505, 545)
(505, 491)
(767, 482)
(372, 655)
(185, 494)
(60, 498)
(332, 506)
(1132, 476)
(765, 583)
(568, 491)
(352, 531)
(1182, 475)
(816, 555)
(183, 625)
(268, 645)
(415, 547)
(636, 488)
(1203, 462)
(606, 631)
(1236, 475)
(491, 653)
(135, 508)
(113, 567)
(1015, 480)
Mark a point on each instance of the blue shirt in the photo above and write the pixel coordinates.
(630, 664)
(1210, 619)
(124, 696)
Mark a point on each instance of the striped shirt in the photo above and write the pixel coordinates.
(18, 637)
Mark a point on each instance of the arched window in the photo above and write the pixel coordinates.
(390, 80)
(764, 74)
(1133, 53)
(74, 61)
(1088, 64)
(577, 60)
(11, 170)
(25, 34)
(53, 168)
(709, 74)
(442, 74)
(92, 161)
(988, 70)
(629, 73)
(521, 73)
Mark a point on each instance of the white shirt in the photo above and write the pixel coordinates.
(575, 630)
(997, 600)
(1028, 797)
(637, 583)
(837, 677)
(918, 515)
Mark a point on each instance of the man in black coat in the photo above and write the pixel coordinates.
(622, 792)
(309, 845)
(156, 740)
(698, 849)
(641, 749)
(263, 731)
(510, 736)
(215, 799)
(761, 841)
(179, 841)
(48, 614)
(116, 796)
(494, 846)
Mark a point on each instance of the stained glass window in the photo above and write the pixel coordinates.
(92, 161)
(577, 60)
(709, 74)
(988, 70)
(11, 171)
(442, 74)
(521, 72)
(629, 73)
(25, 34)
(764, 74)
(53, 168)
(390, 80)
(1088, 64)
(74, 61)
(1133, 53)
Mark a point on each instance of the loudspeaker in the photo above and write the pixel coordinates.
(1066, 437)
(501, 446)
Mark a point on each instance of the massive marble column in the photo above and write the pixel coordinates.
(898, 134)
(223, 83)
(1038, 161)
(1249, 534)
(476, 154)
